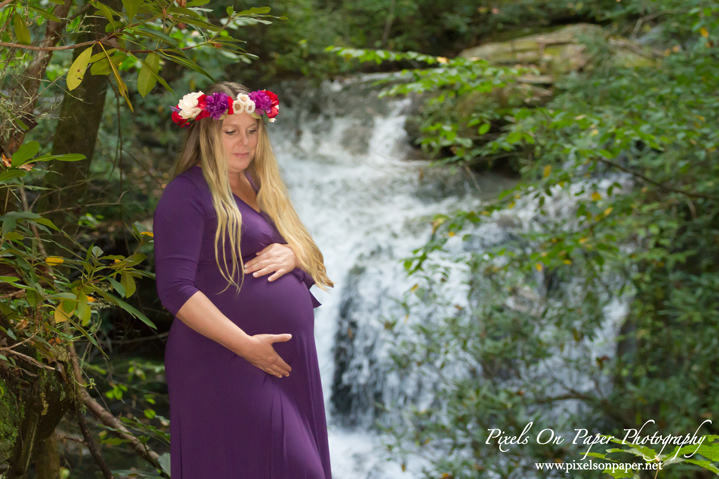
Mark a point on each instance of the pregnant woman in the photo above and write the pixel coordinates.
(234, 264)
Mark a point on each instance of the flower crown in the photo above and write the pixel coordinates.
(196, 106)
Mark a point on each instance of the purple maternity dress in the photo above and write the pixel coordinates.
(228, 418)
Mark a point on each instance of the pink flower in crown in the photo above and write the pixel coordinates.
(216, 105)
(262, 101)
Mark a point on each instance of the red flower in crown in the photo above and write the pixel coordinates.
(178, 119)
(230, 109)
(275, 104)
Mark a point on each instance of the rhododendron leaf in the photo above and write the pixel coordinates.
(21, 31)
(78, 68)
(147, 78)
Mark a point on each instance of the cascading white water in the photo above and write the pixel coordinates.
(343, 153)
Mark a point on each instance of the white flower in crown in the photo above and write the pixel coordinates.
(188, 105)
(243, 104)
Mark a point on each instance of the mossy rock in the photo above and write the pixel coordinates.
(10, 419)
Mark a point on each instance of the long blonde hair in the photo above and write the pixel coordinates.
(203, 145)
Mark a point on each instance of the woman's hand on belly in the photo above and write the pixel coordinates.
(278, 258)
(259, 352)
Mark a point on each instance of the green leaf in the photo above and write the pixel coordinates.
(21, 31)
(118, 287)
(131, 7)
(147, 78)
(112, 299)
(136, 258)
(121, 87)
(128, 283)
(24, 153)
(157, 35)
(484, 129)
(70, 296)
(83, 311)
(78, 68)
(102, 67)
(9, 174)
(47, 222)
(256, 11)
(44, 13)
(99, 56)
(8, 225)
(66, 157)
(514, 137)
(109, 13)
(184, 62)
(8, 279)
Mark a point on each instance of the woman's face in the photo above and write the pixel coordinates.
(239, 135)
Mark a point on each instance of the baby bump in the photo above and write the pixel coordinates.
(262, 307)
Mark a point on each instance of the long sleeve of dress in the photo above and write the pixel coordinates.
(178, 230)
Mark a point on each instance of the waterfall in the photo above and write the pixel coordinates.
(343, 153)
(345, 157)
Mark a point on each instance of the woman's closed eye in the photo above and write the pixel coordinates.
(232, 132)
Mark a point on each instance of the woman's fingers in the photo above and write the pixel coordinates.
(263, 270)
(279, 271)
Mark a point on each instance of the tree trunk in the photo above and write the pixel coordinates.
(45, 402)
(76, 132)
(47, 465)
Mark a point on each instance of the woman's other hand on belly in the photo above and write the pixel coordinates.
(259, 352)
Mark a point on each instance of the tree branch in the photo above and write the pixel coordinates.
(107, 418)
(90, 443)
(656, 183)
(55, 49)
(103, 40)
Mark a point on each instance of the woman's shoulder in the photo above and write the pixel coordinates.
(188, 186)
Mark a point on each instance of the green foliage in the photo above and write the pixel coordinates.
(57, 289)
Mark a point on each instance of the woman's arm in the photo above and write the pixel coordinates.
(201, 315)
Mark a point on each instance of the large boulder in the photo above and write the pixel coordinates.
(563, 50)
